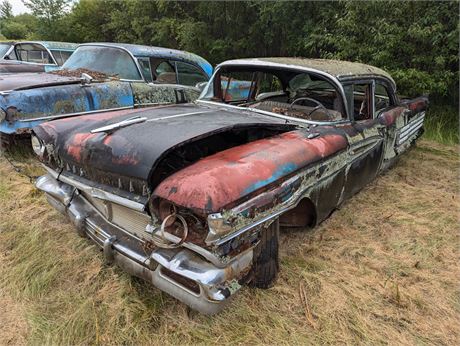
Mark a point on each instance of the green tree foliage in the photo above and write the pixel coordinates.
(6, 10)
(14, 30)
(50, 14)
(16, 27)
(416, 41)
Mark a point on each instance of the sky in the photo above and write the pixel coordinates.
(18, 7)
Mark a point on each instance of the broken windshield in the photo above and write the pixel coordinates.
(111, 61)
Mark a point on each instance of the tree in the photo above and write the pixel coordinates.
(50, 14)
(6, 10)
(50, 10)
(14, 30)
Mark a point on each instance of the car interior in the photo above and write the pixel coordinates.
(292, 93)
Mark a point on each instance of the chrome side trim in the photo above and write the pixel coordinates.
(51, 117)
(410, 129)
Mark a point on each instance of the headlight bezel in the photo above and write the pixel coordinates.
(38, 146)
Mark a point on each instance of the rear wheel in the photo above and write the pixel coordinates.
(266, 259)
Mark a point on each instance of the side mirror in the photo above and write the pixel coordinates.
(201, 85)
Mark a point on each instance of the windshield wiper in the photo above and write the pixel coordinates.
(123, 123)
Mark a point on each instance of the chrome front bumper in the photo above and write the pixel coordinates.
(180, 272)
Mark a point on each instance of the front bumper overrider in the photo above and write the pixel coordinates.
(180, 272)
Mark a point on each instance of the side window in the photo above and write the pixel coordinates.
(359, 98)
(57, 57)
(165, 73)
(146, 70)
(188, 74)
(61, 56)
(382, 98)
(35, 53)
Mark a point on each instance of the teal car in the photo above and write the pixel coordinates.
(33, 56)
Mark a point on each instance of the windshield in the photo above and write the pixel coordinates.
(288, 92)
(108, 60)
(3, 49)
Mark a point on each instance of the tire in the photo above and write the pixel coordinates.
(265, 265)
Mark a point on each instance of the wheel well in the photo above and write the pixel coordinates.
(303, 215)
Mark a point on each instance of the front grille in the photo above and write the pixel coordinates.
(130, 220)
(127, 219)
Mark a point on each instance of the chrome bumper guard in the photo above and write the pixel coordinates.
(180, 272)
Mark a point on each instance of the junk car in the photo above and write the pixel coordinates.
(34, 56)
(191, 197)
(100, 76)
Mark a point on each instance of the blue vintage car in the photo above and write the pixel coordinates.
(100, 77)
(33, 56)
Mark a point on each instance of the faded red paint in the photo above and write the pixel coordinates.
(418, 104)
(390, 116)
(77, 143)
(213, 182)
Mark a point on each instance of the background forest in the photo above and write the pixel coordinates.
(416, 41)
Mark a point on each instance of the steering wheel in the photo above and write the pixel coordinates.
(319, 105)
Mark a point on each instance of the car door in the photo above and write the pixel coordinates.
(366, 136)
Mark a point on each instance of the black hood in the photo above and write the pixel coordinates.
(134, 150)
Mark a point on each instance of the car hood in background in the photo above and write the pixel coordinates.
(16, 81)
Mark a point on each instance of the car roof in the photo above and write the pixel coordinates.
(53, 44)
(158, 52)
(339, 69)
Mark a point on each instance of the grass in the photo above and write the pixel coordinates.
(383, 269)
(442, 124)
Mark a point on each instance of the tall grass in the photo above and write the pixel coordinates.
(442, 124)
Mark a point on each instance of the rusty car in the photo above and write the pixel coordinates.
(33, 56)
(191, 197)
(100, 76)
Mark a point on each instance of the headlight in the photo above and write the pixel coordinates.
(2, 115)
(38, 146)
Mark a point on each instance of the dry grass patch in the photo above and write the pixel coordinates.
(383, 269)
